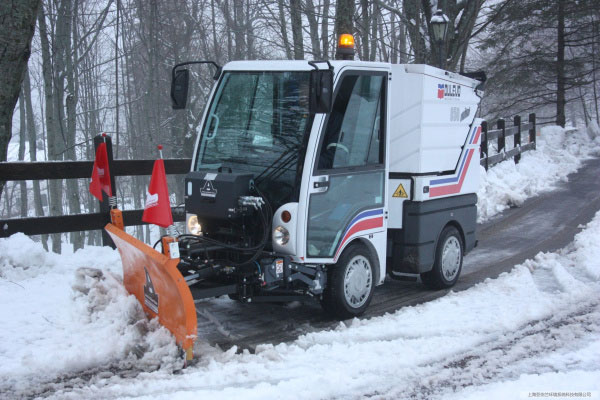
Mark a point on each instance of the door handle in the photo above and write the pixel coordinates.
(321, 185)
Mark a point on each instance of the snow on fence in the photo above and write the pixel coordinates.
(16, 171)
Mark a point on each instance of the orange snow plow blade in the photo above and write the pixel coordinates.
(159, 287)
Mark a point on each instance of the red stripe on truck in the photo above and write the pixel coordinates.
(452, 189)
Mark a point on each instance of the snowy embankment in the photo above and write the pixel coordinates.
(59, 316)
(71, 333)
(558, 154)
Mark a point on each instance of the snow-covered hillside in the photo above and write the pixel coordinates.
(69, 330)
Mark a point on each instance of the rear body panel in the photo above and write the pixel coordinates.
(412, 248)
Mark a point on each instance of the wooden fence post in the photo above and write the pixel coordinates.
(532, 135)
(517, 142)
(502, 137)
(484, 142)
(104, 206)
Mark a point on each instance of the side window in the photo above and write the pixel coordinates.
(353, 132)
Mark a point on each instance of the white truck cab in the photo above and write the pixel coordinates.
(322, 178)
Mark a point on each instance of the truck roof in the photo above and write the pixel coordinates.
(303, 65)
(295, 65)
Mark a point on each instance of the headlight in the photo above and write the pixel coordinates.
(193, 225)
(281, 236)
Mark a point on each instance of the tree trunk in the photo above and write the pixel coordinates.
(54, 185)
(412, 10)
(402, 45)
(216, 44)
(364, 29)
(313, 26)
(71, 104)
(16, 31)
(296, 18)
(22, 137)
(594, 81)
(283, 25)
(374, 21)
(560, 66)
(238, 23)
(32, 135)
(325, 29)
(344, 14)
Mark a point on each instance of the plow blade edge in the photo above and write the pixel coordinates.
(158, 285)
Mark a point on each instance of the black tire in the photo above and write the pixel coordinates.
(440, 277)
(335, 300)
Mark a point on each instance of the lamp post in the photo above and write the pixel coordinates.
(439, 26)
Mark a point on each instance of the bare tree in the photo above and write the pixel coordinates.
(32, 136)
(344, 15)
(296, 16)
(16, 30)
(22, 140)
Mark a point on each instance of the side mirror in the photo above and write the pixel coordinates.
(321, 91)
(179, 89)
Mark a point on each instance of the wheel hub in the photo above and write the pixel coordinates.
(357, 281)
(451, 258)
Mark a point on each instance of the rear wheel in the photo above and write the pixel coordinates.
(448, 260)
(350, 284)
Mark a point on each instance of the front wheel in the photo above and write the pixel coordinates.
(448, 260)
(350, 284)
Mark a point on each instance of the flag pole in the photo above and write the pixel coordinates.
(112, 200)
(171, 230)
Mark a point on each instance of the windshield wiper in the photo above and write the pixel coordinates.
(279, 166)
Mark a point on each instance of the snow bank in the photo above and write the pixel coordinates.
(543, 317)
(58, 318)
(69, 329)
(558, 154)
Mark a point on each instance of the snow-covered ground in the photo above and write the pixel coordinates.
(559, 153)
(68, 332)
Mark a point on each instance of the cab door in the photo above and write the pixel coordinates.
(347, 186)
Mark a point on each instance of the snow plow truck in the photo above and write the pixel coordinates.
(316, 179)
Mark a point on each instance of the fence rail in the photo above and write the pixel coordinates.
(17, 171)
(500, 134)
(22, 171)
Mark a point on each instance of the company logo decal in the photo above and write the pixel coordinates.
(440, 91)
(150, 295)
(208, 190)
(445, 91)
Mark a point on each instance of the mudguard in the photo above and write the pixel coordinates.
(158, 285)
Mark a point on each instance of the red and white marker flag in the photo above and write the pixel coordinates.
(101, 174)
(158, 208)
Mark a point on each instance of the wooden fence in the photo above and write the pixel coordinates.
(500, 134)
(17, 171)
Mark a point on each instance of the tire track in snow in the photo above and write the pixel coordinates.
(503, 358)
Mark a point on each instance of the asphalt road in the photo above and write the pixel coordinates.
(542, 224)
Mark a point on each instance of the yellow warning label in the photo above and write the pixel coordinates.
(400, 192)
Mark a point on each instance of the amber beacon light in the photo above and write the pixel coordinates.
(345, 49)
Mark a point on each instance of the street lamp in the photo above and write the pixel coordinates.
(439, 26)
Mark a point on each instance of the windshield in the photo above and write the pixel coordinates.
(256, 123)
